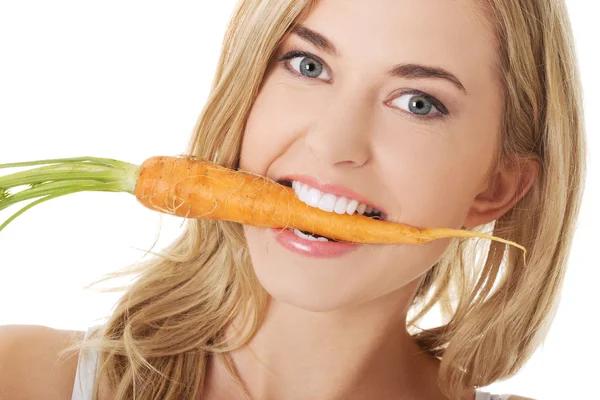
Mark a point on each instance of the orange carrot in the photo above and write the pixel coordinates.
(191, 188)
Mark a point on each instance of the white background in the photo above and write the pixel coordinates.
(127, 80)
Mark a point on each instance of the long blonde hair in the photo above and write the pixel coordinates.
(157, 340)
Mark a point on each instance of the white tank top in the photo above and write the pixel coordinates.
(88, 363)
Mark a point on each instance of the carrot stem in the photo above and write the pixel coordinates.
(64, 176)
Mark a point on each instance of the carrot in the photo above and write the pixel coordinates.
(191, 188)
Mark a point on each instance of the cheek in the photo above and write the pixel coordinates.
(280, 114)
(259, 130)
(436, 177)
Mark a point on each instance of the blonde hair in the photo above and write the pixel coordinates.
(157, 340)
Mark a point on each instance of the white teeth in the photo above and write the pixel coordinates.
(313, 197)
(308, 237)
(329, 202)
(352, 206)
(304, 190)
(341, 205)
(361, 208)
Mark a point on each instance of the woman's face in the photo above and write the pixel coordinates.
(404, 112)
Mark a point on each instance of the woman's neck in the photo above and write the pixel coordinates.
(363, 352)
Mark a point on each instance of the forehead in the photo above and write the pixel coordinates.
(452, 34)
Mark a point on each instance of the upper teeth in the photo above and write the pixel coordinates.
(329, 202)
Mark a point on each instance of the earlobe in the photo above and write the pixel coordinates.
(506, 188)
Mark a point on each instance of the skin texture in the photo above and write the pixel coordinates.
(336, 327)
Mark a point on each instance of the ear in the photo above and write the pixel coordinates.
(504, 190)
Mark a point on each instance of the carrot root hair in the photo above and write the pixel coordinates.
(429, 234)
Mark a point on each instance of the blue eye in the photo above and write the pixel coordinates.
(308, 67)
(305, 64)
(418, 104)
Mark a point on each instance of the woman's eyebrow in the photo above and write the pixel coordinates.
(416, 71)
(316, 39)
(409, 71)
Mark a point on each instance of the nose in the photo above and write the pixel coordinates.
(340, 134)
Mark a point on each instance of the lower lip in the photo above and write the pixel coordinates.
(296, 244)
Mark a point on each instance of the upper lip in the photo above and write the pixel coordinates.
(334, 189)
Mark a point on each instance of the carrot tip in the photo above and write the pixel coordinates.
(429, 234)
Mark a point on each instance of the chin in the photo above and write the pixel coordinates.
(311, 285)
(321, 285)
(304, 295)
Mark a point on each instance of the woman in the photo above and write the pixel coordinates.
(456, 114)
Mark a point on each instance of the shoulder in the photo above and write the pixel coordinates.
(30, 362)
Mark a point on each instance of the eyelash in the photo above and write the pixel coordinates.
(443, 111)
